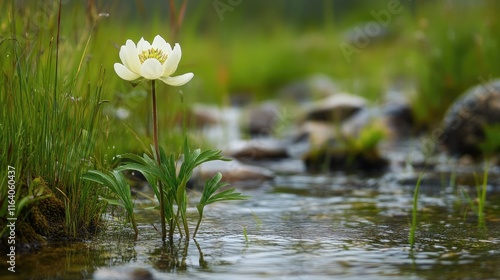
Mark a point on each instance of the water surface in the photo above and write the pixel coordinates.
(304, 226)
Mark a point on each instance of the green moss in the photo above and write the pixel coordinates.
(41, 221)
(47, 216)
(349, 152)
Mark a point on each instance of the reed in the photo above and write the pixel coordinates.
(49, 116)
(414, 214)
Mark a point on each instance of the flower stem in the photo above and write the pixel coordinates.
(158, 158)
(199, 222)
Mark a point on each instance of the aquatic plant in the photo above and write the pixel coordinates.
(151, 62)
(210, 196)
(481, 198)
(477, 206)
(119, 186)
(490, 145)
(413, 225)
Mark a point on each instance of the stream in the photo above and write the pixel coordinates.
(304, 226)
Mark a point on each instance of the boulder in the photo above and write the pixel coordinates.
(258, 148)
(202, 115)
(262, 119)
(335, 108)
(395, 119)
(336, 157)
(463, 127)
(398, 120)
(232, 171)
(309, 134)
(323, 147)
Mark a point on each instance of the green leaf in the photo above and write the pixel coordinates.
(100, 178)
(119, 186)
(27, 200)
(113, 201)
(210, 196)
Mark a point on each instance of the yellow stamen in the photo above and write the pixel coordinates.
(153, 53)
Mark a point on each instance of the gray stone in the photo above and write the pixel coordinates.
(258, 148)
(309, 134)
(124, 273)
(324, 147)
(203, 115)
(334, 157)
(394, 119)
(464, 122)
(335, 108)
(262, 119)
(232, 171)
(398, 120)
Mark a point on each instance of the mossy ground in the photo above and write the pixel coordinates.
(41, 222)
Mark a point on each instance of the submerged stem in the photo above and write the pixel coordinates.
(200, 212)
(134, 225)
(413, 226)
(158, 158)
(172, 224)
(177, 221)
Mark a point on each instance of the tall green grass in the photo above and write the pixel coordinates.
(50, 114)
(477, 205)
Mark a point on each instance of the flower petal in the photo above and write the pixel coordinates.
(142, 45)
(159, 43)
(151, 69)
(124, 73)
(131, 57)
(172, 61)
(121, 54)
(177, 80)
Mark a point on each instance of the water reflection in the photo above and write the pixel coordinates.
(170, 257)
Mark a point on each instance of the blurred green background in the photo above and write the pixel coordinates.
(431, 50)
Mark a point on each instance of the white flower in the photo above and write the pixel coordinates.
(151, 62)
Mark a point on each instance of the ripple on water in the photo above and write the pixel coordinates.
(300, 227)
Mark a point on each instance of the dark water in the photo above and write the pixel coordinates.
(303, 226)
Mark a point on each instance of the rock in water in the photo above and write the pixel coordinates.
(123, 273)
(335, 108)
(395, 119)
(262, 119)
(255, 149)
(464, 123)
(322, 148)
(337, 156)
(232, 171)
